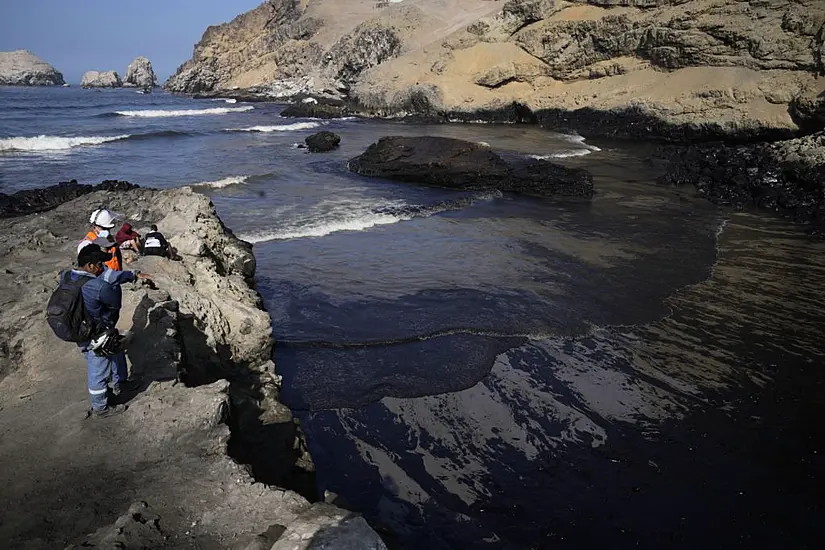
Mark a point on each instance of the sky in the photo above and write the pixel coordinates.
(76, 36)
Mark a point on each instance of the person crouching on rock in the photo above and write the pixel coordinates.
(103, 301)
(156, 244)
(102, 221)
(128, 240)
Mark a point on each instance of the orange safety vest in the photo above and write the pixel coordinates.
(114, 263)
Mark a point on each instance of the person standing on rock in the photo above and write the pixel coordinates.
(103, 221)
(103, 301)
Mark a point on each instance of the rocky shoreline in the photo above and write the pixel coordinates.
(688, 73)
(163, 474)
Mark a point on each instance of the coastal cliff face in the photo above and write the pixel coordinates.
(161, 473)
(707, 67)
(23, 68)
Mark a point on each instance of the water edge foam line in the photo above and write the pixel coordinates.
(54, 143)
(161, 113)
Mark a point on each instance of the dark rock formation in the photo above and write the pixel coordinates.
(786, 177)
(31, 201)
(23, 68)
(322, 142)
(316, 108)
(460, 164)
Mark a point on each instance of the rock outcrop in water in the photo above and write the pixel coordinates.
(160, 473)
(459, 164)
(140, 74)
(322, 142)
(687, 69)
(101, 79)
(31, 201)
(23, 68)
(787, 177)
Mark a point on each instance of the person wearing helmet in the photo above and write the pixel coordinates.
(103, 221)
(102, 299)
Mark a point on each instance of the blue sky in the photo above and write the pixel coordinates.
(80, 35)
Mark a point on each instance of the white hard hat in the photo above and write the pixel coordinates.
(103, 218)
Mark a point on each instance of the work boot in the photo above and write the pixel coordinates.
(111, 410)
(125, 387)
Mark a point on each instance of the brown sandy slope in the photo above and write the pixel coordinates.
(719, 66)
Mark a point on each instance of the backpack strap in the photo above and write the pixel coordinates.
(66, 279)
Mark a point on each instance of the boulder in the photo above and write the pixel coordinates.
(139, 74)
(322, 142)
(23, 68)
(459, 164)
(101, 79)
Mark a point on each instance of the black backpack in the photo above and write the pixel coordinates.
(66, 312)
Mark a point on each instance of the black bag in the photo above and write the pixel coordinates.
(66, 312)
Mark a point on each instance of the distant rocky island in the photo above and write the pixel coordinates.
(23, 68)
(101, 79)
(139, 74)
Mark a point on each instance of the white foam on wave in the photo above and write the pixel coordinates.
(226, 99)
(325, 227)
(579, 140)
(185, 112)
(357, 215)
(225, 182)
(584, 149)
(54, 143)
(562, 154)
(279, 127)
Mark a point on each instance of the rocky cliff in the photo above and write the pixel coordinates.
(160, 474)
(101, 79)
(140, 74)
(23, 68)
(674, 68)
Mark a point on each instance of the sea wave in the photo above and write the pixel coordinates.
(375, 215)
(562, 154)
(185, 112)
(225, 99)
(225, 182)
(278, 128)
(54, 143)
(160, 134)
(582, 149)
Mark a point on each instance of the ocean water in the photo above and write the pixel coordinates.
(478, 369)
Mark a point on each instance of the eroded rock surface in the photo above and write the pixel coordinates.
(694, 69)
(23, 68)
(101, 79)
(459, 164)
(140, 74)
(160, 473)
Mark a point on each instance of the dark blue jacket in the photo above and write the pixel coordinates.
(102, 295)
